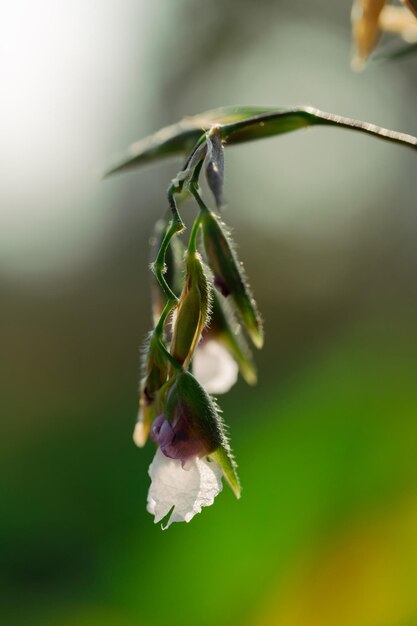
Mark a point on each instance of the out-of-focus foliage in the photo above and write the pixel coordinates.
(325, 527)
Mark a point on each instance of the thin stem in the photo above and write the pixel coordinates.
(174, 364)
(169, 305)
(199, 199)
(176, 217)
(192, 244)
(159, 266)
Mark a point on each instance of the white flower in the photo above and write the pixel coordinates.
(214, 368)
(186, 489)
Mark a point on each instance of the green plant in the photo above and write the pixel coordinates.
(201, 294)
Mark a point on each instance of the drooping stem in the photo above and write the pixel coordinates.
(159, 328)
(159, 266)
(194, 190)
(192, 244)
(193, 187)
(174, 364)
(175, 226)
(176, 217)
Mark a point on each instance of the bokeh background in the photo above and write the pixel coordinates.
(326, 222)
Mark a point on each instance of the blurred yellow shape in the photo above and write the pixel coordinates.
(365, 29)
(370, 18)
(366, 576)
(399, 21)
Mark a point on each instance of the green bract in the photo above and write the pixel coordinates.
(229, 275)
(156, 367)
(155, 375)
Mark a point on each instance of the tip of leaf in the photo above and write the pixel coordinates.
(140, 434)
(257, 336)
(223, 458)
(249, 375)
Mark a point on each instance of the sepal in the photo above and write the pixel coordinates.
(224, 458)
(229, 275)
(189, 403)
(215, 164)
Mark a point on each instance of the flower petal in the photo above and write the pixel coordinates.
(187, 490)
(214, 368)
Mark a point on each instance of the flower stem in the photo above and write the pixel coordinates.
(158, 266)
(174, 364)
(176, 217)
(169, 305)
(194, 190)
(192, 244)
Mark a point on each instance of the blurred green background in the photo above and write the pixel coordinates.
(326, 222)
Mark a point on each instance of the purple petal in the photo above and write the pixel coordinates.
(221, 286)
(179, 440)
(185, 443)
(166, 435)
(156, 427)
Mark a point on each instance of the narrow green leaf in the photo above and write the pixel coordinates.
(287, 120)
(239, 124)
(179, 138)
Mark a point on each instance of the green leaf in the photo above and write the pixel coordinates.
(239, 124)
(179, 138)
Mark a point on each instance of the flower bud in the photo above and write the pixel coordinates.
(192, 311)
(191, 427)
(225, 330)
(214, 367)
(146, 415)
(229, 276)
(156, 372)
(222, 351)
(156, 367)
